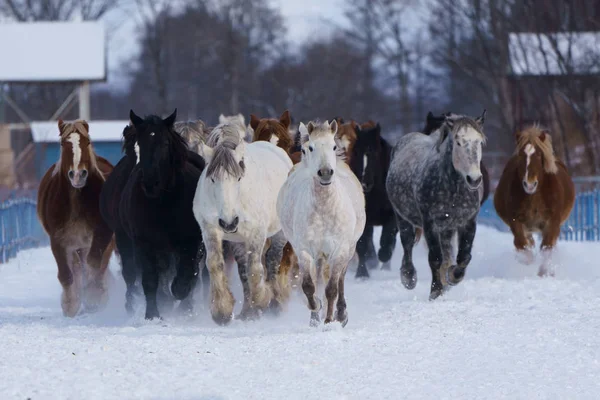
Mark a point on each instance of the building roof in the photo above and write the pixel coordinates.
(52, 51)
(564, 53)
(100, 131)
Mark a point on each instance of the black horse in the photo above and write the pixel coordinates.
(432, 124)
(370, 162)
(156, 208)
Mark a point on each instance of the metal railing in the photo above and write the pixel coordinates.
(20, 228)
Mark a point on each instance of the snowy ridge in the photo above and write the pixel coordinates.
(502, 333)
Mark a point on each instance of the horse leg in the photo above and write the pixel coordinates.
(341, 315)
(185, 281)
(362, 248)
(96, 292)
(145, 259)
(550, 236)
(70, 299)
(289, 265)
(309, 274)
(387, 243)
(332, 290)
(221, 301)
(128, 268)
(372, 260)
(408, 274)
(447, 255)
(241, 258)
(435, 259)
(260, 292)
(466, 235)
(278, 282)
(523, 242)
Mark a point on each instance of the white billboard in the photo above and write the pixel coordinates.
(52, 51)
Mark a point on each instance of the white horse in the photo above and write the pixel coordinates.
(235, 201)
(322, 213)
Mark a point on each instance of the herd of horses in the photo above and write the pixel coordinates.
(286, 205)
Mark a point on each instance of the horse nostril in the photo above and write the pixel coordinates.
(222, 223)
(319, 173)
(84, 173)
(236, 220)
(71, 174)
(330, 172)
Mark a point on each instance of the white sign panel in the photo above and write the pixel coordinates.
(52, 51)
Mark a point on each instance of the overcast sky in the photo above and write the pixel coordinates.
(305, 19)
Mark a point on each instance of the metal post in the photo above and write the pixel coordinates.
(84, 101)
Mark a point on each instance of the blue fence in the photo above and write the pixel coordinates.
(583, 223)
(19, 227)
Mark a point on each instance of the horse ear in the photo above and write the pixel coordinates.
(135, 120)
(310, 127)
(221, 119)
(543, 134)
(357, 129)
(333, 126)
(86, 126)
(206, 152)
(377, 129)
(481, 119)
(170, 120)
(61, 127)
(304, 132)
(242, 119)
(285, 119)
(254, 121)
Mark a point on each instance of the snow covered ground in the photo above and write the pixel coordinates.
(502, 333)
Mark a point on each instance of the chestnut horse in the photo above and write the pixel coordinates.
(68, 209)
(535, 194)
(347, 137)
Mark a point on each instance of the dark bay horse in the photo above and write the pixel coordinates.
(68, 210)
(535, 194)
(434, 123)
(370, 164)
(433, 183)
(156, 208)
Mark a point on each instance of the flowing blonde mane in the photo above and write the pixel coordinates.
(81, 127)
(531, 135)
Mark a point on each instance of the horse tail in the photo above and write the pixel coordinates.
(418, 234)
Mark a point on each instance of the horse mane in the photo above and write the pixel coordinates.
(193, 132)
(532, 135)
(456, 122)
(224, 140)
(81, 127)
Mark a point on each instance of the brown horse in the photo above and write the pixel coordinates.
(68, 209)
(273, 130)
(535, 194)
(347, 136)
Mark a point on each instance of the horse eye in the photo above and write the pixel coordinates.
(458, 143)
(310, 148)
(239, 179)
(213, 181)
(334, 148)
(303, 151)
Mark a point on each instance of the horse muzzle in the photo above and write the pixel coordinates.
(530, 188)
(78, 178)
(474, 183)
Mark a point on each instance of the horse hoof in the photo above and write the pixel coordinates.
(248, 314)
(435, 293)
(315, 320)
(362, 273)
(525, 257)
(384, 255)
(342, 319)
(455, 274)
(222, 319)
(151, 317)
(408, 277)
(372, 263)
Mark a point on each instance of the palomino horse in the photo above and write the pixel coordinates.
(322, 213)
(535, 194)
(434, 123)
(68, 210)
(156, 209)
(370, 164)
(433, 183)
(235, 201)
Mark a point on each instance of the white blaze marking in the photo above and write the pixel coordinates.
(137, 152)
(364, 164)
(74, 139)
(529, 150)
(274, 139)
